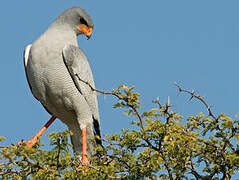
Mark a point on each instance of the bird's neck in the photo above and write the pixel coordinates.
(62, 36)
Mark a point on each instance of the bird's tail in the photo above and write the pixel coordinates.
(92, 140)
(96, 127)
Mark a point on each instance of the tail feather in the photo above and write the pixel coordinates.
(91, 134)
(97, 131)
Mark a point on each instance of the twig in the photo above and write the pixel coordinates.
(139, 116)
(195, 173)
(114, 93)
(15, 172)
(167, 166)
(165, 111)
(96, 90)
(102, 171)
(111, 143)
(193, 95)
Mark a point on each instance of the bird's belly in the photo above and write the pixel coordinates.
(54, 88)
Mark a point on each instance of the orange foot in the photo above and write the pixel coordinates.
(85, 160)
(29, 143)
(84, 163)
(33, 140)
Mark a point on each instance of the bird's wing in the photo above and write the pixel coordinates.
(80, 71)
(26, 58)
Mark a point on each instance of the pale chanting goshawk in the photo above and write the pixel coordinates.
(60, 77)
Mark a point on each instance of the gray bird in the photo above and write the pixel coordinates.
(60, 77)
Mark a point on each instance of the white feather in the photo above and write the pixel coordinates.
(26, 54)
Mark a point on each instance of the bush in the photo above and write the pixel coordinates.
(164, 145)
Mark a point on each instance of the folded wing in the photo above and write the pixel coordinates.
(81, 74)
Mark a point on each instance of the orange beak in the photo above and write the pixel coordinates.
(86, 30)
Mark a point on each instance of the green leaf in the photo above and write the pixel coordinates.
(2, 138)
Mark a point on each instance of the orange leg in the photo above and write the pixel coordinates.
(33, 140)
(84, 147)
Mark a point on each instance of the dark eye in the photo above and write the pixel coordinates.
(83, 21)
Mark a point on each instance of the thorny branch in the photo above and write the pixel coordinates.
(226, 140)
(102, 171)
(193, 171)
(114, 93)
(168, 117)
(166, 108)
(194, 95)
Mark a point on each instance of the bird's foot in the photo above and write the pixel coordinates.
(85, 160)
(33, 140)
(29, 143)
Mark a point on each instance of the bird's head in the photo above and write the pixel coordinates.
(78, 20)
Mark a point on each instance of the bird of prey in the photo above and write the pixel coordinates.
(60, 77)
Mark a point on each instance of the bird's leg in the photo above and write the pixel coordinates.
(33, 140)
(84, 147)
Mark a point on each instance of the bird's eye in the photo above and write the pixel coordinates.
(83, 21)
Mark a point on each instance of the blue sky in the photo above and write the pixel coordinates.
(149, 44)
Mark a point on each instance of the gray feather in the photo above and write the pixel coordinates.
(78, 66)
